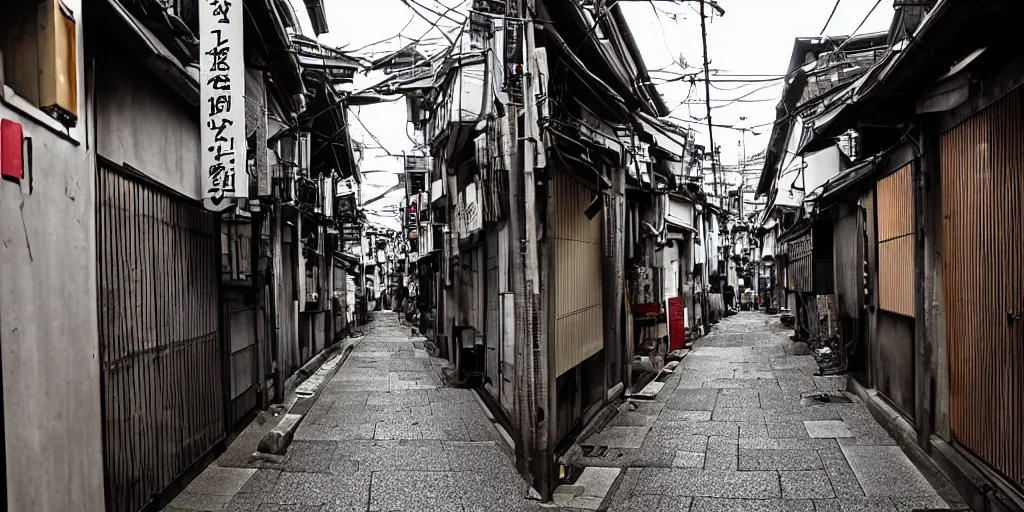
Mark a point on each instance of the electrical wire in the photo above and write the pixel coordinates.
(372, 136)
(434, 24)
(829, 20)
(441, 15)
(664, 37)
(398, 35)
(862, 22)
(695, 78)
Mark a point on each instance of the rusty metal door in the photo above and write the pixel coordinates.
(982, 167)
(161, 353)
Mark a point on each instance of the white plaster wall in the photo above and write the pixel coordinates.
(670, 277)
(142, 122)
(48, 320)
(821, 166)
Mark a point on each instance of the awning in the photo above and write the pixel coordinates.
(848, 178)
(661, 136)
(799, 229)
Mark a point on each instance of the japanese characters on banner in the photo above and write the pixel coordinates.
(222, 102)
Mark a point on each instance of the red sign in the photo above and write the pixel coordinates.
(676, 326)
(10, 149)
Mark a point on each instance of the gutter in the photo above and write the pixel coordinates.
(660, 108)
(286, 62)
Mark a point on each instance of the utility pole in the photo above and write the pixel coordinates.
(707, 94)
(531, 354)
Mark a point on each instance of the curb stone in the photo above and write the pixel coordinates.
(276, 441)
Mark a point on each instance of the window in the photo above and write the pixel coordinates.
(38, 49)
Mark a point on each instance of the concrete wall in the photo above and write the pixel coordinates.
(143, 123)
(48, 319)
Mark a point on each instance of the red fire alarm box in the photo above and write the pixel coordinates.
(10, 149)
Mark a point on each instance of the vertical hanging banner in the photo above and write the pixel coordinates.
(222, 102)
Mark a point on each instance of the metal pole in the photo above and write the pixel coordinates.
(533, 374)
(707, 95)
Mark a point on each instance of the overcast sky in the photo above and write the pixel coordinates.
(755, 37)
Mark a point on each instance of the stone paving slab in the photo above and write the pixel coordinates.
(827, 428)
(712, 483)
(786, 428)
(805, 484)
(685, 459)
(620, 437)
(754, 459)
(721, 454)
(734, 505)
(425, 491)
(886, 471)
(221, 481)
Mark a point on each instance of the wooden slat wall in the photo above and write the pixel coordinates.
(579, 319)
(982, 167)
(896, 242)
(161, 353)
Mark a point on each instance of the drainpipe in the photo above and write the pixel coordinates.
(273, 314)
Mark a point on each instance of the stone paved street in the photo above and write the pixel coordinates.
(728, 432)
(385, 435)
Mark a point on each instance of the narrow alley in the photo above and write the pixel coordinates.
(511, 255)
(385, 434)
(734, 428)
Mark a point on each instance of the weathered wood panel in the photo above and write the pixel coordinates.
(982, 168)
(848, 258)
(896, 242)
(579, 316)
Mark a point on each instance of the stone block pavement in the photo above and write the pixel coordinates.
(729, 432)
(385, 435)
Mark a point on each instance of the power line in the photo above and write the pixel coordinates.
(372, 136)
(692, 77)
(739, 99)
(441, 15)
(829, 20)
(862, 22)
(664, 37)
(399, 34)
(433, 24)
